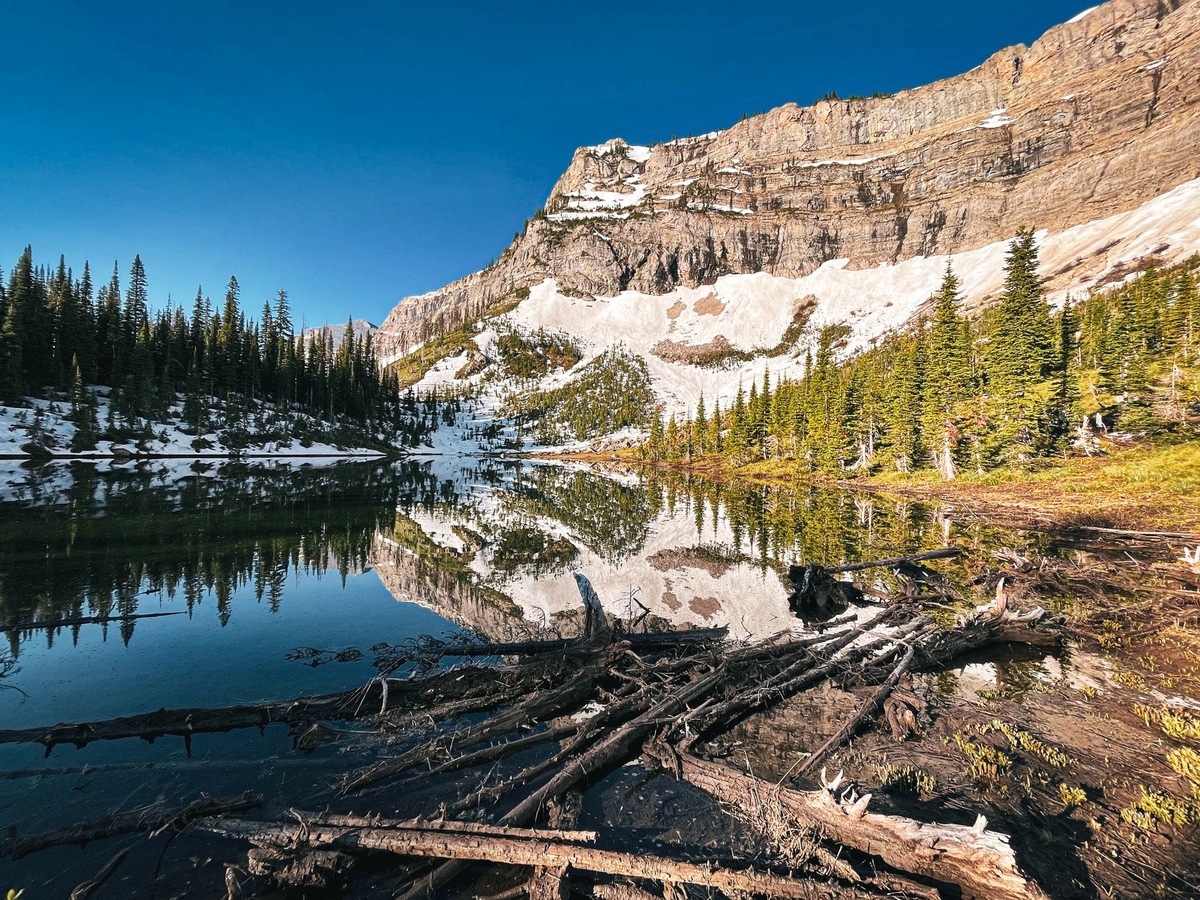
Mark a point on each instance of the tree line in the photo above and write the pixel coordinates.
(59, 332)
(1021, 382)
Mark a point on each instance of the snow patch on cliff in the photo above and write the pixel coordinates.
(752, 312)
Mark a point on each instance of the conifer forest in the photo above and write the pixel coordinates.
(954, 393)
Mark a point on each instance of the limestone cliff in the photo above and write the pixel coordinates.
(1096, 118)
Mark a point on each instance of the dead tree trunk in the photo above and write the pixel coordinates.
(979, 861)
(724, 875)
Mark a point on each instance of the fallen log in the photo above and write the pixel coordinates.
(186, 722)
(85, 620)
(980, 862)
(943, 553)
(725, 875)
(481, 829)
(522, 715)
(152, 819)
(651, 640)
(592, 763)
(867, 710)
(613, 715)
(804, 672)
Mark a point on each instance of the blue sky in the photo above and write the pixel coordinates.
(354, 153)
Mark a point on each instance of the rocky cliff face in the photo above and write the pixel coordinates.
(1097, 117)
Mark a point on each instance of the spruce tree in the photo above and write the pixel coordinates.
(1020, 352)
(946, 381)
(1021, 345)
(83, 414)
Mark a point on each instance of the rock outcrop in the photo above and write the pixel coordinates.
(1097, 117)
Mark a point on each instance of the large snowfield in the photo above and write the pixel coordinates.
(752, 312)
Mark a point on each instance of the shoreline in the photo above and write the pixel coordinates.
(1141, 490)
(138, 457)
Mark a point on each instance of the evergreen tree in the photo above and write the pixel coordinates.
(1020, 352)
(946, 377)
(903, 406)
(83, 414)
(1021, 346)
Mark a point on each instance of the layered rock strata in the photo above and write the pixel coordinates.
(1097, 117)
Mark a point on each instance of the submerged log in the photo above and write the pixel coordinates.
(980, 862)
(866, 711)
(185, 722)
(85, 620)
(89, 887)
(151, 820)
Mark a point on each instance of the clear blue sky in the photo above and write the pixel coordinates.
(353, 153)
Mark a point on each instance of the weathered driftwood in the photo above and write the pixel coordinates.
(622, 891)
(504, 749)
(152, 819)
(303, 869)
(651, 640)
(593, 762)
(687, 694)
(809, 668)
(725, 875)
(483, 829)
(186, 722)
(366, 700)
(611, 717)
(980, 862)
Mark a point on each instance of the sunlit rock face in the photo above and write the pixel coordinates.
(1096, 119)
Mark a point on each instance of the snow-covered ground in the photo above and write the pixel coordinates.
(41, 428)
(752, 312)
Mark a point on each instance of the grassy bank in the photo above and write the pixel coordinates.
(1142, 487)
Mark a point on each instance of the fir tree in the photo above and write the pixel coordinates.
(83, 414)
(1020, 352)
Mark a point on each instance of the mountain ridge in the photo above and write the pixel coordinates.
(705, 255)
(1089, 120)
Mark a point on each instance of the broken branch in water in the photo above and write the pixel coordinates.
(151, 820)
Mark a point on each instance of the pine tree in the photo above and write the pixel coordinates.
(903, 406)
(83, 414)
(1020, 352)
(1066, 409)
(946, 377)
(29, 321)
(1021, 345)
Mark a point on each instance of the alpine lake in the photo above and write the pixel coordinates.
(213, 583)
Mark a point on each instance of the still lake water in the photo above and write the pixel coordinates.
(263, 559)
